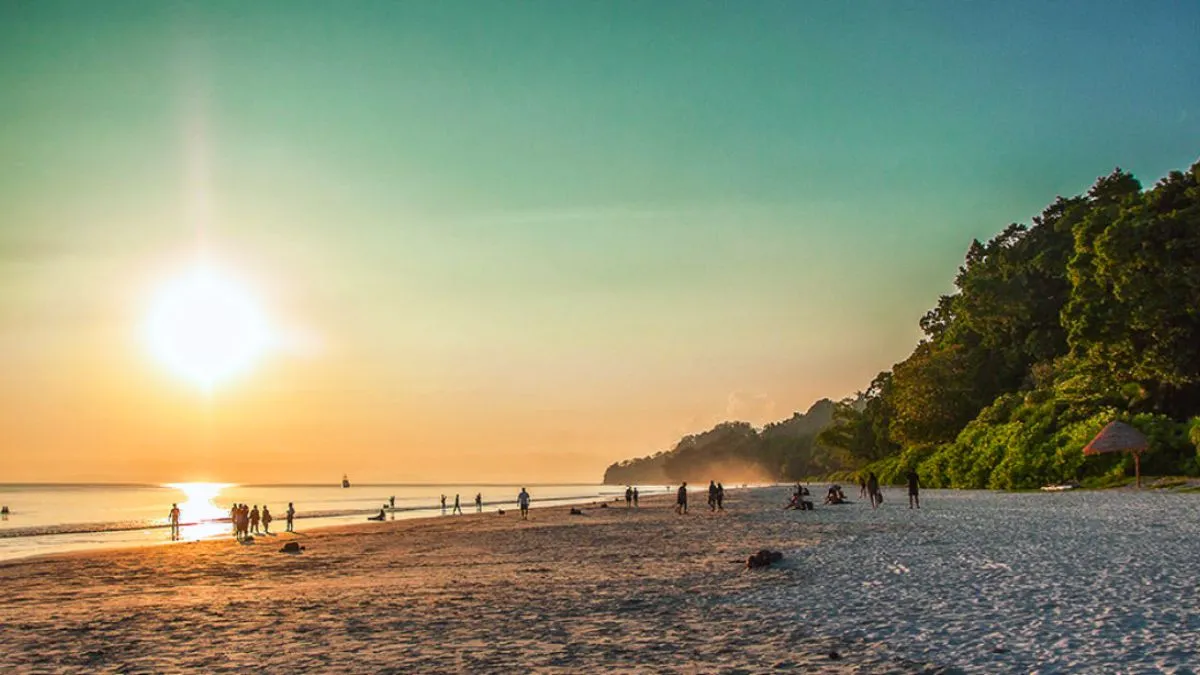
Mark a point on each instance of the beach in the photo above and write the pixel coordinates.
(973, 582)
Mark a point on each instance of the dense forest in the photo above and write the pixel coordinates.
(1089, 314)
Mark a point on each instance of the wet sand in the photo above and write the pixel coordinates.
(613, 590)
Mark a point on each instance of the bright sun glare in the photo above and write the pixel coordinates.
(206, 328)
(198, 510)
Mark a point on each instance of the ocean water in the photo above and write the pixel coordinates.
(47, 518)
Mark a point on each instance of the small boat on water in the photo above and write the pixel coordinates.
(345, 481)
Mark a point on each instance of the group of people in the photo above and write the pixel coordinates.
(631, 496)
(716, 497)
(458, 504)
(246, 520)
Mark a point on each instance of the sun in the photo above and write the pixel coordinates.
(206, 327)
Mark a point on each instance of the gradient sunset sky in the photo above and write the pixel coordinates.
(518, 241)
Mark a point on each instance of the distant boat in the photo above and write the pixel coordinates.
(345, 481)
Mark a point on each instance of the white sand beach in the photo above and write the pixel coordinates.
(974, 582)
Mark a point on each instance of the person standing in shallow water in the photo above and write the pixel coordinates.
(523, 502)
(681, 499)
(254, 518)
(873, 489)
(266, 520)
(914, 489)
(291, 515)
(443, 505)
(478, 502)
(173, 517)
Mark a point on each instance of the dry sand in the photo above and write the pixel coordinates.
(613, 590)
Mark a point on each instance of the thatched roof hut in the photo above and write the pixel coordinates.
(1120, 437)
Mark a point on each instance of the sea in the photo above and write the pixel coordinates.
(57, 518)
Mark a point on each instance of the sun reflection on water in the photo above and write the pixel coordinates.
(197, 511)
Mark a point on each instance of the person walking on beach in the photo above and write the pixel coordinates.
(914, 489)
(873, 489)
(266, 520)
(254, 518)
(720, 497)
(173, 517)
(457, 508)
(712, 495)
(233, 519)
(291, 515)
(681, 499)
(523, 502)
(443, 505)
(478, 502)
(628, 496)
(635, 496)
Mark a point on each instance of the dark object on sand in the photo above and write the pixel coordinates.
(604, 505)
(1120, 437)
(500, 511)
(291, 547)
(834, 656)
(576, 512)
(763, 558)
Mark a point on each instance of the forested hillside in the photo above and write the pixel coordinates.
(736, 452)
(1089, 314)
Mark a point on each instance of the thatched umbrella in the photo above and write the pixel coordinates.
(1120, 437)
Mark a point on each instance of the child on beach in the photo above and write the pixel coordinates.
(681, 499)
(523, 502)
(291, 514)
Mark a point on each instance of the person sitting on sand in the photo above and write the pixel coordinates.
(635, 497)
(266, 520)
(291, 515)
(523, 502)
(173, 517)
(833, 495)
(681, 499)
(382, 514)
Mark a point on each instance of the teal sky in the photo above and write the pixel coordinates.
(580, 229)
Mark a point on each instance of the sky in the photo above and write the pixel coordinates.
(504, 241)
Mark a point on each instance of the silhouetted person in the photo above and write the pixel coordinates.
(720, 497)
(862, 486)
(681, 499)
(635, 497)
(523, 502)
(443, 505)
(266, 519)
(873, 489)
(291, 515)
(628, 496)
(478, 502)
(712, 495)
(173, 517)
(392, 502)
(254, 518)
(914, 490)
(457, 508)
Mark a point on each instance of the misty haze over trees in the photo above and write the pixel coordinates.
(1089, 314)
